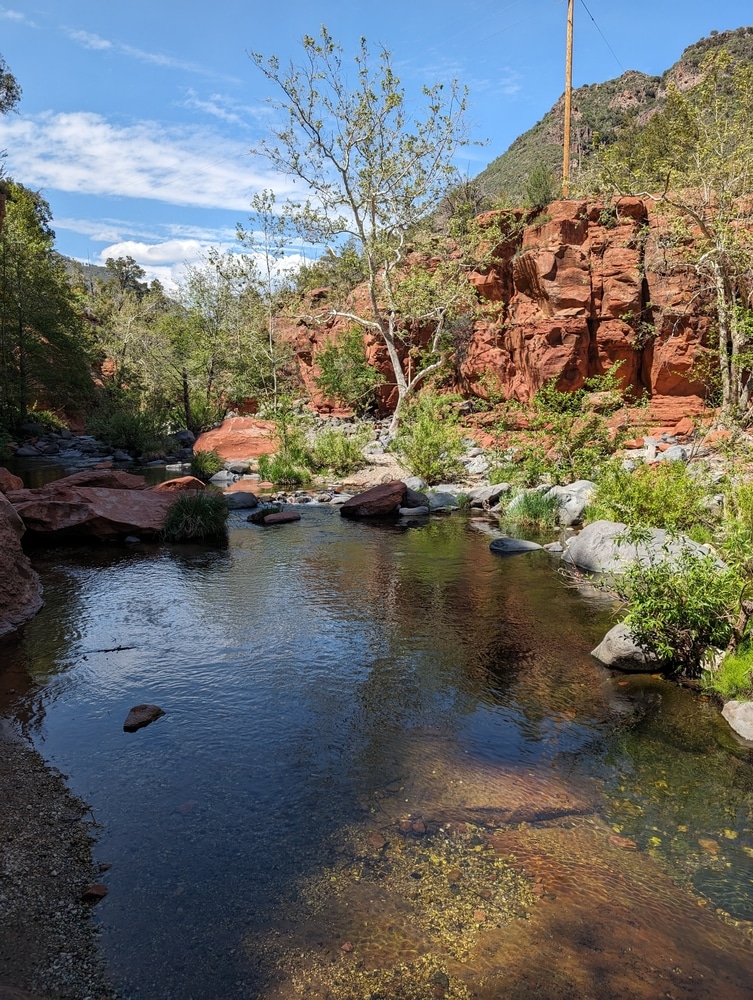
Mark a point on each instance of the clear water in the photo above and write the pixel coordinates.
(331, 676)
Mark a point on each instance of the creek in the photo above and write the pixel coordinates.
(343, 698)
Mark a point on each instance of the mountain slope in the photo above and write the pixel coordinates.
(600, 109)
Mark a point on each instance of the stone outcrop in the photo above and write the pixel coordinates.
(583, 287)
(9, 482)
(20, 589)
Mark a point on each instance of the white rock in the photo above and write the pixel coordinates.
(739, 714)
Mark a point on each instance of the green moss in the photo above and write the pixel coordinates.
(733, 678)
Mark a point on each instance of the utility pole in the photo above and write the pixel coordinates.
(568, 100)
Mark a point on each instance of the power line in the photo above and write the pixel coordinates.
(583, 2)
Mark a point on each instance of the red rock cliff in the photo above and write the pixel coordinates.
(568, 297)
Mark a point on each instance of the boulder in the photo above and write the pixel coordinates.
(438, 500)
(140, 716)
(240, 500)
(9, 482)
(413, 498)
(603, 547)
(487, 495)
(739, 714)
(92, 512)
(379, 501)
(412, 511)
(513, 546)
(20, 589)
(239, 438)
(619, 649)
(282, 517)
(572, 500)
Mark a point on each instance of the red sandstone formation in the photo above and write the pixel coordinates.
(92, 512)
(376, 502)
(569, 296)
(239, 438)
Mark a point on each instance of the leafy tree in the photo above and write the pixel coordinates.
(44, 348)
(10, 90)
(696, 158)
(374, 174)
(270, 240)
(345, 374)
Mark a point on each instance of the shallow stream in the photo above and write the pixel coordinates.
(388, 767)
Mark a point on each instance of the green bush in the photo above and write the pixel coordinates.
(430, 438)
(338, 452)
(678, 609)
(122, 425)
(345, 375)
(205, 464)
(284, 470)
(534, 510)
(197, 517)
(660, 496)
(733, 678)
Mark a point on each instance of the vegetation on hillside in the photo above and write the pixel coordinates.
(600, 112)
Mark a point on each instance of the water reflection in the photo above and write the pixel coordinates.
(332, 676)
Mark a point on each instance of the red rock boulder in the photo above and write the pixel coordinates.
(239, 438)
(9, 482)
(92, 512)
(379, 501)
(20, 589)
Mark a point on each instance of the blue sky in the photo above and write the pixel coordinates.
(137, 118)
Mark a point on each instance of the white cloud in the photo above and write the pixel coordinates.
(14, 15)
(83, 153)
(88, 40)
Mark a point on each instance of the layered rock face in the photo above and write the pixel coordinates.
(567, 298)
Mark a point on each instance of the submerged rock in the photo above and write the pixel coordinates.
(140, 716)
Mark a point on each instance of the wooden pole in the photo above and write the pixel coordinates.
(568, 100)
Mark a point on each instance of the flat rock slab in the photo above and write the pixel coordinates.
(283, 517)
(140, 716)
(513, 546)
(93, 512)
(379, 501)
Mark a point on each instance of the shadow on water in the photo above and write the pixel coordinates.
(363, 724)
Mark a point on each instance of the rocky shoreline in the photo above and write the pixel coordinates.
(48, 944)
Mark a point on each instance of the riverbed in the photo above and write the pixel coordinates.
(388, 763)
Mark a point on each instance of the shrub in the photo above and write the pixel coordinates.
(733, 678)
(197, 517)
(345, 374)
(661, 496)
(338, 452)
(121, 425)
(677, 609)
(282, 469)
(534, 510)
(430, 439)
(205, 464)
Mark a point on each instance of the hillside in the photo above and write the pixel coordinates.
(600, 109)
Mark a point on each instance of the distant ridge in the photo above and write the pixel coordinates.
(601, 108)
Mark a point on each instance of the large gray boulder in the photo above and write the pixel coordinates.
(572, 500)
(619, 649)
(604, 547)
(739, 714)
